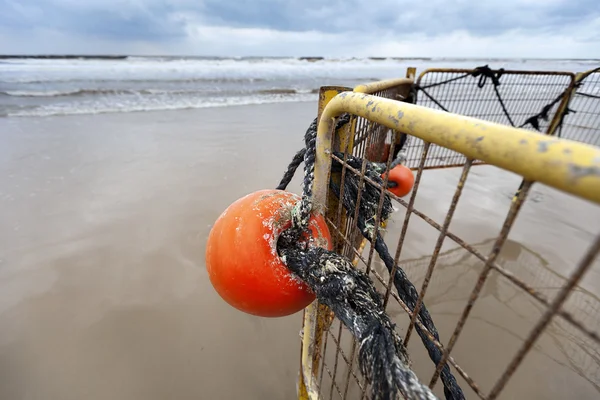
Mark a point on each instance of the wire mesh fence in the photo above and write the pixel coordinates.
(513, 98)
(376, 143)
(567, 315)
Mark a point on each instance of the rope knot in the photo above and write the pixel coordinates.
(485, 72)
(349, 292)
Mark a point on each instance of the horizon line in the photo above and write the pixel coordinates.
(309, 58)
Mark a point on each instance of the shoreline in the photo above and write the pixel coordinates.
(212, 106)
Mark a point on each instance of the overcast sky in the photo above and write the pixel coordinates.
(336, 28)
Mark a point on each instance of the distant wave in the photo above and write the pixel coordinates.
(43, 87)
(58, 93)
(245, 69)
(173, 104)
(95, 92)
(181, 79)
(288, 91)
(86, 92)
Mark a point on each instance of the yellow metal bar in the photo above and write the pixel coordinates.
(383, 85)
(307, 389)
(566, 165)
(318, 317)
(344, 142)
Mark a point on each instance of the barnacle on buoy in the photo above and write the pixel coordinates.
(242, 260)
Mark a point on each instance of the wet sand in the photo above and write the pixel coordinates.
(105, 295)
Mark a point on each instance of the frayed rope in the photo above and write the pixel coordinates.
(349, 292)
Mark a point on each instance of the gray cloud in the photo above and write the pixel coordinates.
(127, 20)
(153, 19)
(171, 21)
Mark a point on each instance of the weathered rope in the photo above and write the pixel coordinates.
(406, 290)
(299, 157)
(352, 297)
(349, 292)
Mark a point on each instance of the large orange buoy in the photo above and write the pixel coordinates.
(241, 256)
(404, 179)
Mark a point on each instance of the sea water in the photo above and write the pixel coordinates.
(87, 85)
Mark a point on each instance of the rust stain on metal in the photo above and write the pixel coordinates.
(543, 146)
(394, 120)
(578, 172)
(475, 143)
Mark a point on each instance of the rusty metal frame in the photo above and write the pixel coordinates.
(317, 318)
(568, 166)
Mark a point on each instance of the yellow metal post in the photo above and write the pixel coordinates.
(318, 317)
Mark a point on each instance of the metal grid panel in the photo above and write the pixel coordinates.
(338, 374)
(373, 142)
(582, 123)
(523, 93)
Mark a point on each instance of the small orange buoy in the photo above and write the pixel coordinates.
(242, 260)
(404, 179)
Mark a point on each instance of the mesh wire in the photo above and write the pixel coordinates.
(524, 95)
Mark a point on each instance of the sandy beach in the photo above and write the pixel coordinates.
(104, 292)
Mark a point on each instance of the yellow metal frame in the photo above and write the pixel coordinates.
(559, 114)
(317, 318)
(570, 166)
(566, 165)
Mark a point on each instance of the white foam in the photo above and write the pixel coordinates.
(140, 69)
(45, 87)
(99, 107)
(34, 93)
